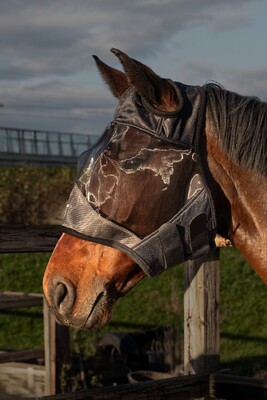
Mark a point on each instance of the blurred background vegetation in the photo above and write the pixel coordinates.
(31, 195)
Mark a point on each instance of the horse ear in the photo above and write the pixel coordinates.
(156, 90)
(117, 80)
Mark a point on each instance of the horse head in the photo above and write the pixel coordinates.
(141, 202)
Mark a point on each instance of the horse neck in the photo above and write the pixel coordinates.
(244, 192)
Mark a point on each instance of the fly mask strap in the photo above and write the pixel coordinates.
(188, 235)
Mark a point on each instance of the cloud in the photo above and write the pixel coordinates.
(46, 47)
(57, 37)
(230, 20)
(57, 107)
(246, 81)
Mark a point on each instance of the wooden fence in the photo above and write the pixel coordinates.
(213, 386)
(201, 333)
(56, 351)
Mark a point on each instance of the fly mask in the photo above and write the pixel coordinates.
(190, 233)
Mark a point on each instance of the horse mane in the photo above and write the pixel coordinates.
(241, 123)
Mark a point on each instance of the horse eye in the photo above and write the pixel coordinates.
(112, 149)
(131, 163)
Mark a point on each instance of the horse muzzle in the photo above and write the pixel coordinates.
(79, 290)
(70, 310)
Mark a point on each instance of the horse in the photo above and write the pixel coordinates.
(179, 167)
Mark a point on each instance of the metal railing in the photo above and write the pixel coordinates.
(37, 145)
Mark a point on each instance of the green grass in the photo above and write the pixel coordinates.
(154, 302)
(244, 315)
(22, 328)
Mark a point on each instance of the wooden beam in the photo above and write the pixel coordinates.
(57, 355)
(182, 388)
(8, 356)
(28, 238)
(10, 300)
(50, 351)
(201, 316)
(236, 387)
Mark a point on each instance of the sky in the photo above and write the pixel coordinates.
(49, 81)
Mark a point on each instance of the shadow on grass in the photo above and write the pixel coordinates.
(253, 366)
(130, 325)
(244, 338)
(23, 313)
(247, 366)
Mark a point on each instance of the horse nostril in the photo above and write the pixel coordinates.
(61, 293)
(63, 296)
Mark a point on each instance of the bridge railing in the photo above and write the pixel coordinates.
(29, 144)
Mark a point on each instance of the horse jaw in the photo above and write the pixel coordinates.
(81, 290)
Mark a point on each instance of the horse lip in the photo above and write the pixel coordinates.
(100, 314)
(91, 320)
(97, 301)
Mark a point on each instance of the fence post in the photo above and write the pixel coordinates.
(201, 316)
(57, 355)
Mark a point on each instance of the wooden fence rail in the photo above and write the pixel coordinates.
(28, 238)
(21, 355)
(10, 300)
(214, 386)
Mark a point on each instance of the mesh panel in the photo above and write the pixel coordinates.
(81, 217)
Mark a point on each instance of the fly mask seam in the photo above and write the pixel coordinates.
(166, 168)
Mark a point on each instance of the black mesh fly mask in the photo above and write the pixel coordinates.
(190, 232)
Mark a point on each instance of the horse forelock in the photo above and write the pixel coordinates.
(241, 124)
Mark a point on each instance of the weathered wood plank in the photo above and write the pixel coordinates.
(8, 356)
(28, 238)
(21, 380)
(57, 354)
(182, 388)
(50, 353)
(10, 300)
(237, 387)
(201, 316)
